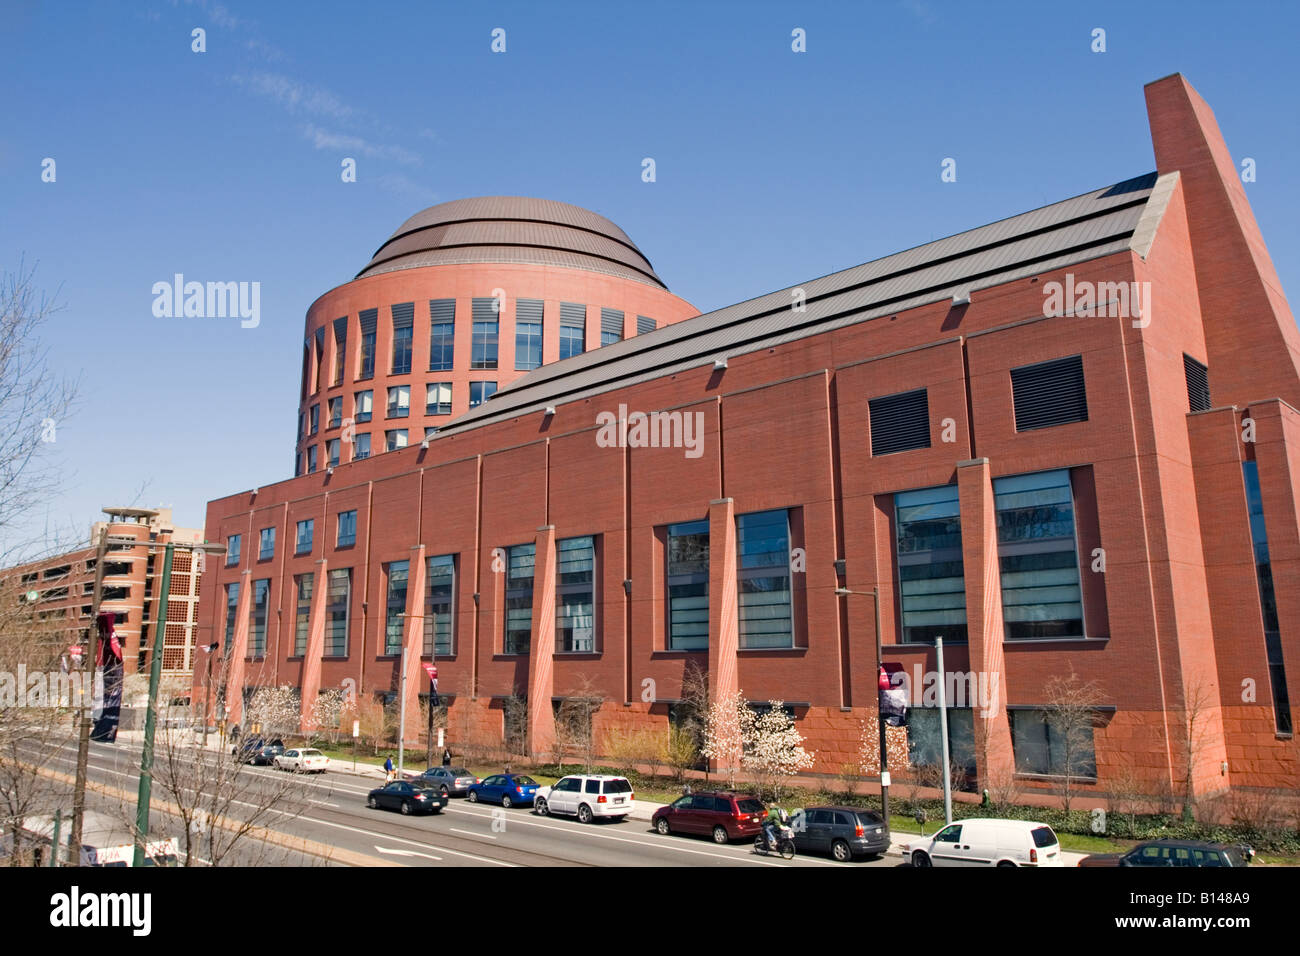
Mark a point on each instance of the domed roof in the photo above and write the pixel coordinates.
(510, 229)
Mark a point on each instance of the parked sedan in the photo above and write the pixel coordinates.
(452, 781)
(265, 756)
(407, 797)
(507, 789)
(1175, 853)
(843, 832)
(303, 760)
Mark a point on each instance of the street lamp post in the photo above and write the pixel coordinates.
(874, 593)
(207, 688)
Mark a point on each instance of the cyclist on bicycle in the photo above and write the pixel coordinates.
(776, 821)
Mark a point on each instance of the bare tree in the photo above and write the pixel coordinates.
(683, 750)
(996, 763)
(1199, 699)
(1071, 714)
(578, 713)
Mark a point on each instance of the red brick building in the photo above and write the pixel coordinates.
(1065, 442)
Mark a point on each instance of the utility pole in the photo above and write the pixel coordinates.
(943, 731)
(207, 689)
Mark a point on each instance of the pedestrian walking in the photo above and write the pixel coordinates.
(389, 772)
(446, 757)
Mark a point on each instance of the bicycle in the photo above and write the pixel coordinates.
(784, 844)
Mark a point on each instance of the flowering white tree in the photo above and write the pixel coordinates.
(326, 714)
(725, 722)
(274, 710)
(869, 747)
(773, 748)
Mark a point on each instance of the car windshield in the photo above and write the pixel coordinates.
(749, 805)
(1043, 836)
(617, 786)
(311, 753)
(522, 780)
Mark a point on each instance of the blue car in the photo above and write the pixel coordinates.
(507, 789)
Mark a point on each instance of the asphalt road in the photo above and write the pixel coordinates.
(330, 809)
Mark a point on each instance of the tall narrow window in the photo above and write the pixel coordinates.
(480, 392)
(403, 319)
(1041, 597)
(320, 358)
(336, 411)
(337, 599)
(528, 334)
(311, 459)
(483, 342)
(763, 551)
(611, 326)
(332, 451)
(399, 401)
(369, 321)
(266, 544)
(347, 529)
(361, 446)
(437, 398)
(688, 586)
(440, 592)
(340, 348)
(1267, 600)
(396, 607)
(519, 598)
(305, 529)
(302, 584)
(931, 581)
(232, 550)
(364, 405)
(232, 609)
(257, 618)
(442, 334)
(573, 329)
(313, 415)
(575, 620)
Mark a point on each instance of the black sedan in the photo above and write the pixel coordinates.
(407, 797)
(453, 781)
(1175, 853)
(265, 757)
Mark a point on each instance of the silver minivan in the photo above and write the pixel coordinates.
(974, 843)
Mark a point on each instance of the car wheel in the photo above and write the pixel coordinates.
(406, 808)
(841, 851)
(473, 796)
(584, 814)
(1006, 863)
(372, 803)
(663, 826)
(919, 858)
(541, 807)
(506, 801)
(720, 834)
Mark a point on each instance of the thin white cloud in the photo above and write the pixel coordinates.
(293, 95)
(325, 139)
(407, 188)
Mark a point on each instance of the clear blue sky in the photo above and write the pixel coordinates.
(772, 167)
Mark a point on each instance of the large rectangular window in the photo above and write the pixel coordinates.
(364, 405)
(528, 334)
(399, 401)
(573, 329)
(232, 550)
(519, 598)
(1049, 393)
(312, 452)
(347, 534)
(931, 584)
(302, 584)
(575, 618)
(257, 617)
(483, 342)
(403, 319)
(266, 544)
(1044, 745)
(337, 599)
(763, 570)
(442, 334)
(925, 742)
(1041, 595)
(369, 320)
(611, 326)
(305, 530)
(480, 392)
(437, 398)
(1267, 600)
(439, 598)
(361, 446)
(688, 586)
(397, 572)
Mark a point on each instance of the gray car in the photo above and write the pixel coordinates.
(843, 832)
(452, 781)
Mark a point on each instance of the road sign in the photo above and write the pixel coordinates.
(431, 671)
(356, 728)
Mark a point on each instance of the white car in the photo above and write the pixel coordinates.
(587, 796)
(303, 760)
(977, 843)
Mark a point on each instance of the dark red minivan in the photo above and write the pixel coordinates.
(721, 814)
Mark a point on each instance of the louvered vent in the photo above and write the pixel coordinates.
(442, 310)
(403, 315)
(1049, 393)
(645, 324)
(900, 422)
(1198, 384)
(369, 319)
(573, 314)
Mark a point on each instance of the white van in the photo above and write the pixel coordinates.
(973, 843)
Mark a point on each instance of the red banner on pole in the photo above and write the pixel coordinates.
(431, 671)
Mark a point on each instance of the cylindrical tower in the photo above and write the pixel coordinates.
(463, 298)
